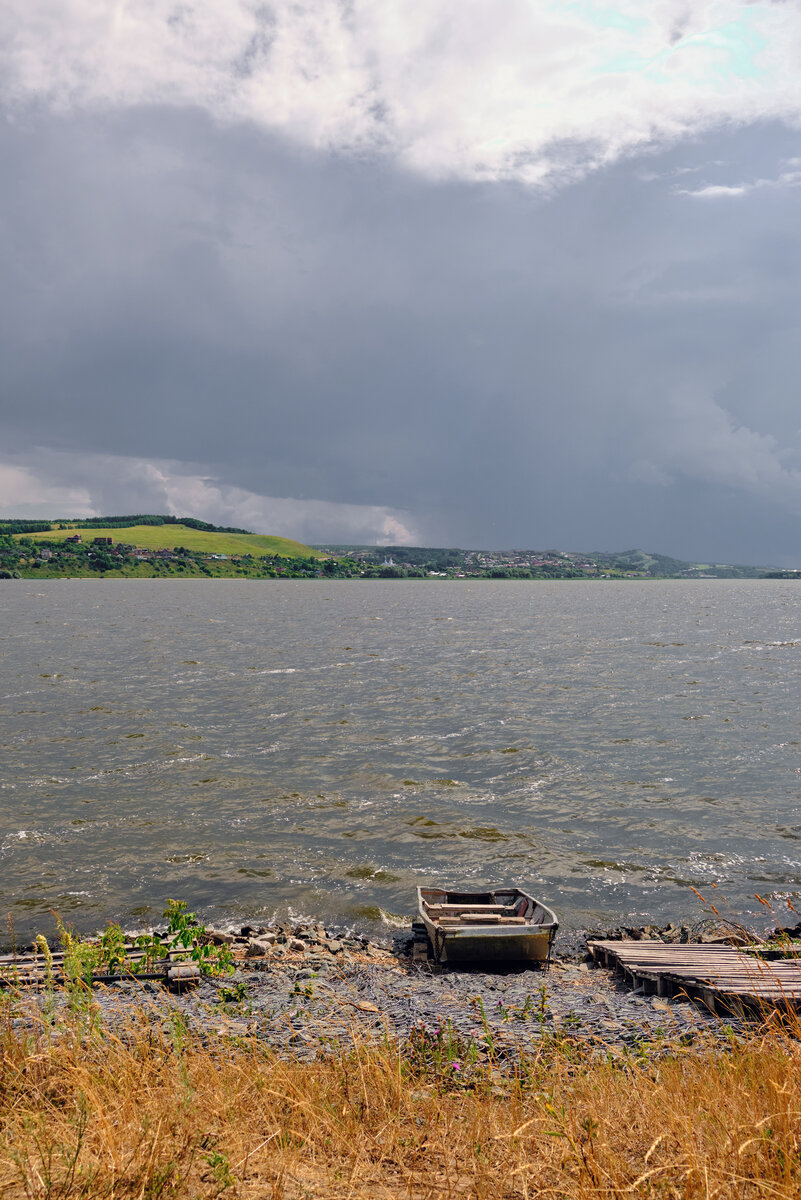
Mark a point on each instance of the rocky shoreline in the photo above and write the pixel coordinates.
(303, 990)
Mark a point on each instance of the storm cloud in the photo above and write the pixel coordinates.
(338, 278)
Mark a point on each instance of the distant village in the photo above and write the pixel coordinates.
(122, 550)
(414, 562)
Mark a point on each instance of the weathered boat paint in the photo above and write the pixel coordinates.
(502, 926)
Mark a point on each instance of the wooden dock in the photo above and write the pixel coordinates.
(29, 970)
(723, 978)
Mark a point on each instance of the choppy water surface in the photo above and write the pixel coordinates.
(314, 748)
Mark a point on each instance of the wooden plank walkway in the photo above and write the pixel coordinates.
(28, 970)
(721, 977)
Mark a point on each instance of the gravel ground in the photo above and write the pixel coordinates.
(307, 993)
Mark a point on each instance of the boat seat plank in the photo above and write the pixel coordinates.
(463, 908)
(491, 919)
(480, 919)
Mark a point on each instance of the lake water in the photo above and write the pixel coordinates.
(311, 748)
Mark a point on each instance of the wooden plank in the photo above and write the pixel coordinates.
(23, 961)
(623, 942)
(714, 968)
(711, 955)
(720, 964)
(34, 971)
(733, 956)
(714, 958)
(735, 968)
(60, 980)
(131, 952)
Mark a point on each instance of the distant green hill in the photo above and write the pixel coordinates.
(662, 566)
(165, 537)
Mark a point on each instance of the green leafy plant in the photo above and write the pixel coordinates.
(489, 1041)
(113, 950)
(306, 989)
(48, 1000)
(450, 1055)
(235, 994)
(80, 958)
(186, 931)
(232, 1000)
(220, 1170)
(152, 947)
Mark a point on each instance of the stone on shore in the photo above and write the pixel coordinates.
(259, 946)
(220, 937)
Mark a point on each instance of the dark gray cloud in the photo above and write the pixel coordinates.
(608, 365)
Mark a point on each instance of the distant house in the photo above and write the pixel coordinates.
(101, 541)
(76, 537)
(44, 555)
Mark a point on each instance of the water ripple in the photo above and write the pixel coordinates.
(298, 747)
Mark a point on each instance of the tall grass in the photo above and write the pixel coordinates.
(147, 1114)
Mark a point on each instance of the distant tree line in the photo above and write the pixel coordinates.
(9, 527)
(152, 519)
(42, 526)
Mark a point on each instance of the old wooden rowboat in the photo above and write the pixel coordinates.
(502, 926)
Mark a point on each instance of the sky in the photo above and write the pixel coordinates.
(478, 273)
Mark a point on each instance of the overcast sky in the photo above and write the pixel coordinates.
(507, 273)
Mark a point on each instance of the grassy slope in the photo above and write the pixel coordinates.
(164, 537)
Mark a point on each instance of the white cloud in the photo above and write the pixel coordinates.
(531, 89)
(715, 190)
(305, 520)
(24, 493)
(95, 485)
(694, 437)
(786, 179)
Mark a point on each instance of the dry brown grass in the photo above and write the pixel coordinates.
(148, 1116)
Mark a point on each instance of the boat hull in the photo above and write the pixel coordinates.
(491, 945)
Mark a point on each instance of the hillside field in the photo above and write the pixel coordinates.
(164, 537)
